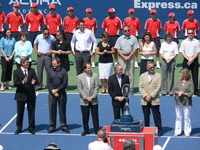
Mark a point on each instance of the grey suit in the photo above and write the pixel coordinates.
(86, 91)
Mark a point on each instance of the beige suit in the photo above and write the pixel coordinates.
(87, 91)
(151, 87)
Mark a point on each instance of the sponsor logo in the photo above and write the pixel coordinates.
(165, 5)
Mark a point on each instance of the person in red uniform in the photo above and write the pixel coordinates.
(70, 23)
(34, 22)
(135, 26)
(190, 23)
(15, 21)
(53, 20)
(172, 26)
(2, 21)
(91, 24)
(153, 25)
(112, 24)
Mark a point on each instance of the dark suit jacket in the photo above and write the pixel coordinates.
(27, 89)
(114, 88)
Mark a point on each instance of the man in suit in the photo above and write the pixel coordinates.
(57, 80)
(149, 87)
(25, 79)
(88, 86)
(115, 84)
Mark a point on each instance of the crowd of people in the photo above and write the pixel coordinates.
(79, 39)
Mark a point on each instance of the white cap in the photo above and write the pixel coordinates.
(1, 147)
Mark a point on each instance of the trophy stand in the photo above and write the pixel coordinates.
(126, 123)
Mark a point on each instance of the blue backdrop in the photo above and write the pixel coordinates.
(100, 8)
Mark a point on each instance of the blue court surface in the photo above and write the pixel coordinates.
(73, 141)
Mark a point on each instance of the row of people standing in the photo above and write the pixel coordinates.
(112, 24)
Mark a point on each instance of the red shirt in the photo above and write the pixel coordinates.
(90, 24)
(172, 27)
(112, 26)
(2, 20)
(53, 23)
(134, 25)
(15, 21)
(34, 21)
(153, 26)
(70, 24)
(194, 24)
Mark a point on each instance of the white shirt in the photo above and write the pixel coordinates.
(190, 47)
(148, 49)
(169, 49)
(99, 145)
(88, 80)
(119, 80)
(84, 40)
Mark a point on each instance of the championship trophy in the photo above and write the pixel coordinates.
(126, 123)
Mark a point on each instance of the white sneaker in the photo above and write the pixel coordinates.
(74, 64)
(93, 65)
(158, 65)
(136, 65)
(175, 66)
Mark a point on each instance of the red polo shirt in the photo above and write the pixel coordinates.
(70, 24)
(2, 20)
(53, 23)
(134, 25)
(172, 27)
(112, 26)
(153, 26)
(34, 21)
(90, 24)
(194, 24)
(14, 21)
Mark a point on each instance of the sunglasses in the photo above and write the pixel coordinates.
(190, 33)
(126, 30)
(46, 33)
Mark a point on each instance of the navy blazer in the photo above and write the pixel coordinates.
(26, 90)
(114, 88)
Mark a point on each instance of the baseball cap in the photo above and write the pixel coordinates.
(70, 8)
(157, 147)
(52, 6)
(111, 10)
(34, 5)
(16, 5)
(88, 10)
(131, 10)
(171, 14)
(190, 12)
(153, 11)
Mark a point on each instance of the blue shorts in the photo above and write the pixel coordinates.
(32, 35)
(16, 35)
(157, 43)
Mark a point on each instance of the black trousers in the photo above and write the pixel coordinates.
(6, 69)
(194, 67)
(61, 100)
(80, 59)
(31, 113)
(156, 115)
(116, 110)
(86, 114)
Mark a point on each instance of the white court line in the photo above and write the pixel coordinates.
(167, 141)
(13, 118)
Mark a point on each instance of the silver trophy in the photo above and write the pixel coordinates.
(125, 92)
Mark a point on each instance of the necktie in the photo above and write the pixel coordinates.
(25, 73)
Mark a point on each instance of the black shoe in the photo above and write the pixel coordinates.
(164, 94)
(197, 93)
(160, 134)
(18, 131)
(31, 131)
(65, 130)
(84, 133)
(51, 130)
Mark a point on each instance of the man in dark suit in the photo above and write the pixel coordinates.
(25, 79)
(88, 86)
(115, 84)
